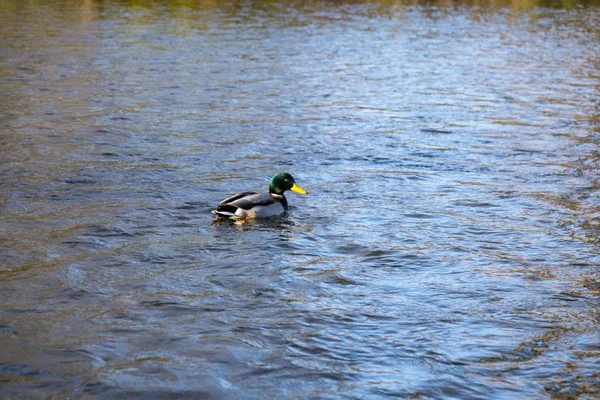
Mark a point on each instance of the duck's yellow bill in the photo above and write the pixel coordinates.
(298, 189)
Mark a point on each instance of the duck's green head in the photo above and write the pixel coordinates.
(282, 182)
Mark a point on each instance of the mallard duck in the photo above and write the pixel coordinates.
(246, 205)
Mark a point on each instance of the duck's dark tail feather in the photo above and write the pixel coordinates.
(225, 211)
(225, 214)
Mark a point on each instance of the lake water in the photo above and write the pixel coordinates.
(448, 247)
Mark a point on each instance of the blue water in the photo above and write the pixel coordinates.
(448, 246)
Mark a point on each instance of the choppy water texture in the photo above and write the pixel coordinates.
(449, 246)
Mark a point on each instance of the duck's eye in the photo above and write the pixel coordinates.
(287, 180)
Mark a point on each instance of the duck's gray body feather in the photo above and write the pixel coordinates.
(252, 205)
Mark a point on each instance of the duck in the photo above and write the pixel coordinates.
(248, 205)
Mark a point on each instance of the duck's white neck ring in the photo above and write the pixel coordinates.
(277, 196)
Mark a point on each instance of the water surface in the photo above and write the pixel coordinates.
(448, 247)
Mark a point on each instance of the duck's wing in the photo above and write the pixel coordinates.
(236, 196)
(248, 200)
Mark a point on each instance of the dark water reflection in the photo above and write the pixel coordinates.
(448, 247)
